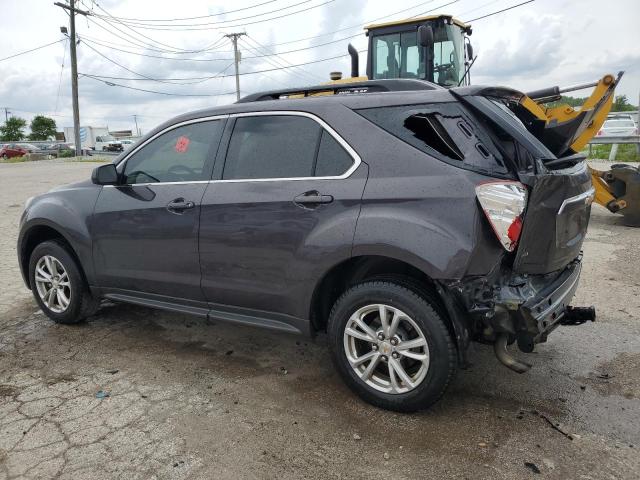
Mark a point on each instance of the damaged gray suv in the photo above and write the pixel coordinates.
(402, 219)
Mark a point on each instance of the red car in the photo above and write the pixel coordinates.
(10, 150)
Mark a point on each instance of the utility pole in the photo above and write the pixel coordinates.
(135, 119)
(74, 68)
(6, 114)
(236, 56)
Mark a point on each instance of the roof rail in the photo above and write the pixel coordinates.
(370, 86)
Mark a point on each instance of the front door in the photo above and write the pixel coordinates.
(145, 230)
(284, 206)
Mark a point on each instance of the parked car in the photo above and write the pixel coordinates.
(127, 144)
(12, 150)
(55, 149)
(404, 225)
(29, 147)
(108, 143)
(618, 127)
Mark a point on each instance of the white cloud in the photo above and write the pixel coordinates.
(544, 43)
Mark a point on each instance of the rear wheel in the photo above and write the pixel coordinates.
(5, 156)
(58, 285)
(391, 346)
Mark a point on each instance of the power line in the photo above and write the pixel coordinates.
(135, 31)
(265, 47)
(228, 75)
(111, 84)
(359, 25)
(499, 11)
(64, 56)
(172, 81)
(195, 18)
(225, 26)
(276, 58)
(175, 25)
(134, 42)
(32, 50)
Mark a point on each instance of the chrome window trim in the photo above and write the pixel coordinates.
(352, 153)
(586, 197)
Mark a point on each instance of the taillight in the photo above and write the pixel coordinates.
(503, 204)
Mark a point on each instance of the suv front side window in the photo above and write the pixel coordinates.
(179, 155)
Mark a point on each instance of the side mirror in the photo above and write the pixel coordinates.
(105, 175)
(425, 35)
(469, 51)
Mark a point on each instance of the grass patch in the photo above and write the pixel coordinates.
(92, 159)
(13, 160)
(626, 153)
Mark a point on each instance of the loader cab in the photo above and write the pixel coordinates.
(436, 49)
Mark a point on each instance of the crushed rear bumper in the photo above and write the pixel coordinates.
(540, 315)
(526, 308)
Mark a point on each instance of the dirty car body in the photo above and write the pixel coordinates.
(443, 193)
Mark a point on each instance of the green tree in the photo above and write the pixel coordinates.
(621, 104)
(567, 100)
(13, 130)
(42, 128)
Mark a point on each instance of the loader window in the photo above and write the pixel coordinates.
(397, 55)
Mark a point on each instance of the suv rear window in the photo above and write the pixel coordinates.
(444, 131)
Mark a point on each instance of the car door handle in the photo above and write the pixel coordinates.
(312, 198)
(179, 205)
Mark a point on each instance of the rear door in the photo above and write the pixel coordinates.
(284, 205)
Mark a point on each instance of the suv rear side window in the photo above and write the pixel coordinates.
(333, 160)
(444, 131)
(283, 146)
(272, 146)
(178, 155)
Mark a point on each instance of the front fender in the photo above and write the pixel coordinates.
(69, 213)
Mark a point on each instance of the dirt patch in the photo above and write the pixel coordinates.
(618, 376)
(8, 391)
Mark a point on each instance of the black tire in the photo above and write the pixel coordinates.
(442, 351)
(81, 303)
(5, 156)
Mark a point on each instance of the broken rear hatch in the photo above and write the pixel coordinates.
(560, 191)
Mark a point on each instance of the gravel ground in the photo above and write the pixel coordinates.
(191, 399)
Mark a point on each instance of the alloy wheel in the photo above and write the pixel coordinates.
(386, 349)
(52, 284)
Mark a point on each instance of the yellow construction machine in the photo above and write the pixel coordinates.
(437, 49)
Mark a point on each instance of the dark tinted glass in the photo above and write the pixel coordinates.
(444, 131)
(333, 160)
(274, 146)
(179, 155)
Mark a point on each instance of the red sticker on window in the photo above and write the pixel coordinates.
(182, 145)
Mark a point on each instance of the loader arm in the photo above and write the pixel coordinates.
(566, 130)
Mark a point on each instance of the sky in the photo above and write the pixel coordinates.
(540, 44)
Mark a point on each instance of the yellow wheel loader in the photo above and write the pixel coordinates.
(437, 49)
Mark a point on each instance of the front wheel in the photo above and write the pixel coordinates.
(391, 346)
(58, 285)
